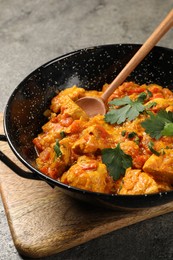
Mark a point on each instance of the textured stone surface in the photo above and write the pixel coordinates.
(35, 31)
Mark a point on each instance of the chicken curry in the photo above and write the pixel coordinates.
(126, 151)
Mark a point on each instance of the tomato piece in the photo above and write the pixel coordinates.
(76, 127)
(45, 155)
(66, 121)
(136, 90)
(44, 169)
(139, 160)
(157, 95)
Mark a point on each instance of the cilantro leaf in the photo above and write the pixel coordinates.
(130, 109)
(168, 129)
(57, 149)
(117, 115)
(150, 105)
(136, 108)
(142, 97)
(159, 125)
(116, 161)
(167, 115)
(120, 101)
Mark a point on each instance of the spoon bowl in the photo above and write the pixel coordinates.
(92, 105)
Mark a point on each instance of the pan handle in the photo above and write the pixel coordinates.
(17, 169)
(8, 162)
(3, 138)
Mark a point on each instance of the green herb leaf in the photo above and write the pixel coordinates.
(150, 146)
(117, 115)
(57, 149)
(168, 129)
(116, 161)
(142, 97)
(120, 101)
(159, 125)
(130, 109)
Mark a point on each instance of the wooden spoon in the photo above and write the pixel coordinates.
(93, 106)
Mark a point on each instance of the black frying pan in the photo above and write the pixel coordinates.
(88, 68)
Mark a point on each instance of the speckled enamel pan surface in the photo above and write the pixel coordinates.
(89, 68)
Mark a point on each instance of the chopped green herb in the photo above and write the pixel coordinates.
(136, 140)
(159, 125)
(150, 146)
(62, 134)
(57, 149)
(132, 135)
(150, 94)
(130, 109)
(116, 161)
(123, 133)
(150, 105)
(162, 152)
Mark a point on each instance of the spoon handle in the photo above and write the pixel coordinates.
(163, 27)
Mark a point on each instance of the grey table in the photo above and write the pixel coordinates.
(35, 31)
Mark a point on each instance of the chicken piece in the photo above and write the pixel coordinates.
(163, 143)
(52, 129)
(159, 92)
(161, 103)
(130, 148)
(74, 93)
(88, 174)
(136, 182)
(54, 164)
(49, 164)
(93, 138)
(161, 167)
(134, 126)
(51, 132)
(167, 93)
(68, 155)
(70, 108)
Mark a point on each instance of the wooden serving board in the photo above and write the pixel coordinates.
(44, 221)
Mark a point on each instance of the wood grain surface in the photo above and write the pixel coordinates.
(44, 221)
